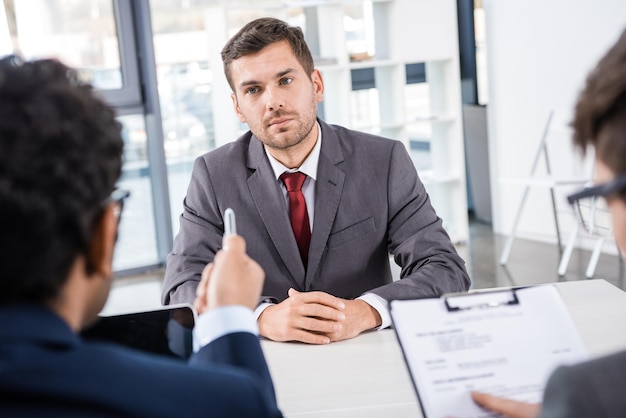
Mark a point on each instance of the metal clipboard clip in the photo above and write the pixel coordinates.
(456, 302)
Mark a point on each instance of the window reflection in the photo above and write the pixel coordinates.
(184, 74)
(82, 34)
(136, 244)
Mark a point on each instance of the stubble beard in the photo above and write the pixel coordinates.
(303, 129)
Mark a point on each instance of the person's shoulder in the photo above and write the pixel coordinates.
(230, 156)
(235, 149)
(219, 386)
(361, 144)
(583, 389)
(615, 363)
(359, 137)
(144, 366)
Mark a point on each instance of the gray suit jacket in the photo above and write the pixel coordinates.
(369, 203)
(594, 389)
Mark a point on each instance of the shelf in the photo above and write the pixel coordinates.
(428, 178)
(377, 126)
(369, 127)
(432, 119)
(330, 64)
(356, 65)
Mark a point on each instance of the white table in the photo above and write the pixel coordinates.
(366, 376)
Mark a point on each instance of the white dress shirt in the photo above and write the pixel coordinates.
(221, 321)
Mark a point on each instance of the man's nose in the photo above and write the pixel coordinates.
(274, 99)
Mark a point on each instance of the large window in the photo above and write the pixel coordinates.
(185, 75)
(81, 34)
(96, 37)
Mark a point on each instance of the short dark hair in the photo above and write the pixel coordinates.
(60, 157)
(258, 34)
(600, 113)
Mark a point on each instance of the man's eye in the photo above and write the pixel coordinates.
(252, 90)
(286, 80)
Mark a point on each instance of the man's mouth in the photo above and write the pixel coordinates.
(279, 121)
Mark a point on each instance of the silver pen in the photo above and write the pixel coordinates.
(230, 224)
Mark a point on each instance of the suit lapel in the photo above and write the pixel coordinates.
(328, 189)
(270, 204)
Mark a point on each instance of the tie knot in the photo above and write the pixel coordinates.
(293, 181)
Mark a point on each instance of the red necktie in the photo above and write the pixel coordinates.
(297, 212)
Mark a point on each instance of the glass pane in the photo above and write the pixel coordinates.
(82, 34)
(184, 82)
(136, 245)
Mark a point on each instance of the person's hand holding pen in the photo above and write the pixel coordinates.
(232, 278)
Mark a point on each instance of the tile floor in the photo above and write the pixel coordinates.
(530, 262)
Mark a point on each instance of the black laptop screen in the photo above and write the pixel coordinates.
(166, 331)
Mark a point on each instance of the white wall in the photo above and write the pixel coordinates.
(539, 53)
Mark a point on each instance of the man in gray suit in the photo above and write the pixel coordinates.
(327, 266)
(593, 389)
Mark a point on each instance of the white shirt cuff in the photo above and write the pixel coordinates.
(218, 322)
(380, 305)
(259, 309)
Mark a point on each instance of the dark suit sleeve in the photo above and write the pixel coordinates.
(591, 389)
(565, 397)
(430, 264)
(242, 350)
(197, 242)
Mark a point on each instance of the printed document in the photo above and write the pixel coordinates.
(506, 343)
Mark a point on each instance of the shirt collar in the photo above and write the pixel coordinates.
(308, 167)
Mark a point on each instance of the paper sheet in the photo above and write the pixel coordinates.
(492, 344)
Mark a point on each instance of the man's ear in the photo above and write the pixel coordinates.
(102, 245)
(318, 85)
(242, 118)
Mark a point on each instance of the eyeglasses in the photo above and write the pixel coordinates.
(591, 209)
(118, 196)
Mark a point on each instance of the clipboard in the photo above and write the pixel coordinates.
(503, 342)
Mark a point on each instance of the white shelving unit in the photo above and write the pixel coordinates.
(401, 32)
